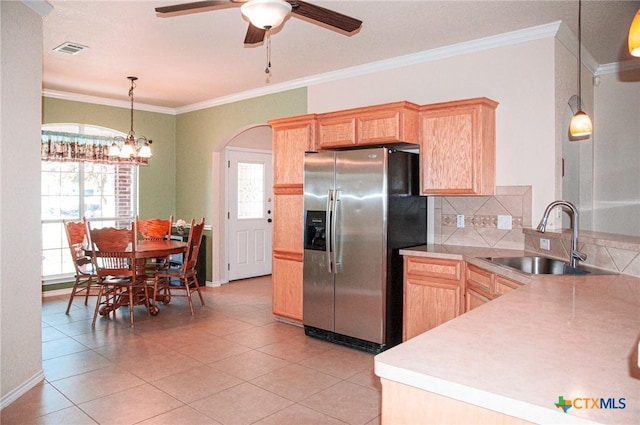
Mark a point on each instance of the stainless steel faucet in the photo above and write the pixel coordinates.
(575, 255)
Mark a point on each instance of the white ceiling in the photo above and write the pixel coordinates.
(195, 58)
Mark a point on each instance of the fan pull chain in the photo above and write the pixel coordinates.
(268, 68)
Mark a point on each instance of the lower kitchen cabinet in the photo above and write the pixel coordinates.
(482, 286)
(287, 285)
(433, 290)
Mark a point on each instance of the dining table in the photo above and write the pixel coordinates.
(147, 249)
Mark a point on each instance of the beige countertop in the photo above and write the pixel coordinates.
(570, 336)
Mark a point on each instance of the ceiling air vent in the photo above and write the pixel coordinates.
(70, 48)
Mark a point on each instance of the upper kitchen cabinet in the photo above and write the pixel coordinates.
(373, 125)
(457, 147)
(292, 137)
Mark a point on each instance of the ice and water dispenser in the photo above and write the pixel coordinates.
(314, 232)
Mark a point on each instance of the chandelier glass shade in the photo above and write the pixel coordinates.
(634, 36)
(266, 14)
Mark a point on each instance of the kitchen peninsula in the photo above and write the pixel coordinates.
(556, 338)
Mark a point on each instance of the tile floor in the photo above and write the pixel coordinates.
(231, 363)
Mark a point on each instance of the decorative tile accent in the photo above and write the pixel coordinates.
(481, 218)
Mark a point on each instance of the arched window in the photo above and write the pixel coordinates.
(104, 193)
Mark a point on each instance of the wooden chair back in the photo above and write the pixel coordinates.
(113, 251)
(77, 239)
(193, 246)
(154, 228)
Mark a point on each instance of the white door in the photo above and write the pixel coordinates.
(249, 195)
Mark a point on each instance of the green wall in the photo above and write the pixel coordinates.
(200, 133)
(178, 180)
(158, 180)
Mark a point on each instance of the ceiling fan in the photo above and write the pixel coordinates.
(276, 9)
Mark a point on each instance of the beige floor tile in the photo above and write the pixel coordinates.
(341, 362)
(175, 368)
(130, 406)
(242, 404)
(181, 416)
(295, 382)
(197, 383)
(71, 416)
(366, 378)
(212, 349)
(38, 401)
(250, 364)
(95, 384)
(61, 347)
(297, 414)
(297, 349)
(348, 402)
(264, 335)
(50, 333)
(72, 364)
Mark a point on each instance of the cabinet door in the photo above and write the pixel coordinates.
(457, 148)
(428, 303)
(291, 138)
(474, 299)
(432, 293)
(336, 131)
(504, 285)
(287, 286)
(480, 280)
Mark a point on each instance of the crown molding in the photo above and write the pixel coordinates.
(106, 102)
(41, 7)
(554, 29)
(505, 39)
(615, 67)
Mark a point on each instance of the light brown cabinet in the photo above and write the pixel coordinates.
(433, 291)
(457, 147)
(291, 138)
(482, 286)
(373, 125)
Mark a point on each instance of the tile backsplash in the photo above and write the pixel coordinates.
(618, 253)
(481, 218)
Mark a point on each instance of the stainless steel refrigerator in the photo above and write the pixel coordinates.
(360, 207)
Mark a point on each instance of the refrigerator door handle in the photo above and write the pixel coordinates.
(329, 240)
(334, 231)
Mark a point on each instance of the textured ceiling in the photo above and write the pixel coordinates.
(193, 58)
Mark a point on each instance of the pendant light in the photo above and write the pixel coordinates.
(580, 125)
(634, 36)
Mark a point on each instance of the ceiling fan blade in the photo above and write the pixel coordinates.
(195, 7)
(326, 16)
(254, 35)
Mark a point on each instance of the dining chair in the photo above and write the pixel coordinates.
(85, 276)
(154, 229)
(185, 277)
(114, 258)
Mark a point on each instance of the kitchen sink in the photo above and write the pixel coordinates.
(543, 265)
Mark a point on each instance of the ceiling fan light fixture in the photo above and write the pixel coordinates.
(266, 13)
(634, 36)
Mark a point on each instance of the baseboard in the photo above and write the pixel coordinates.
(56, 292)
(22, 389)
(215, 284)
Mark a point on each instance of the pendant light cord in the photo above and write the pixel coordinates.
(267, 70)
(579, 55)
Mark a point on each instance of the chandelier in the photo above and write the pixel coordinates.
(73, 147)
(131, 149)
